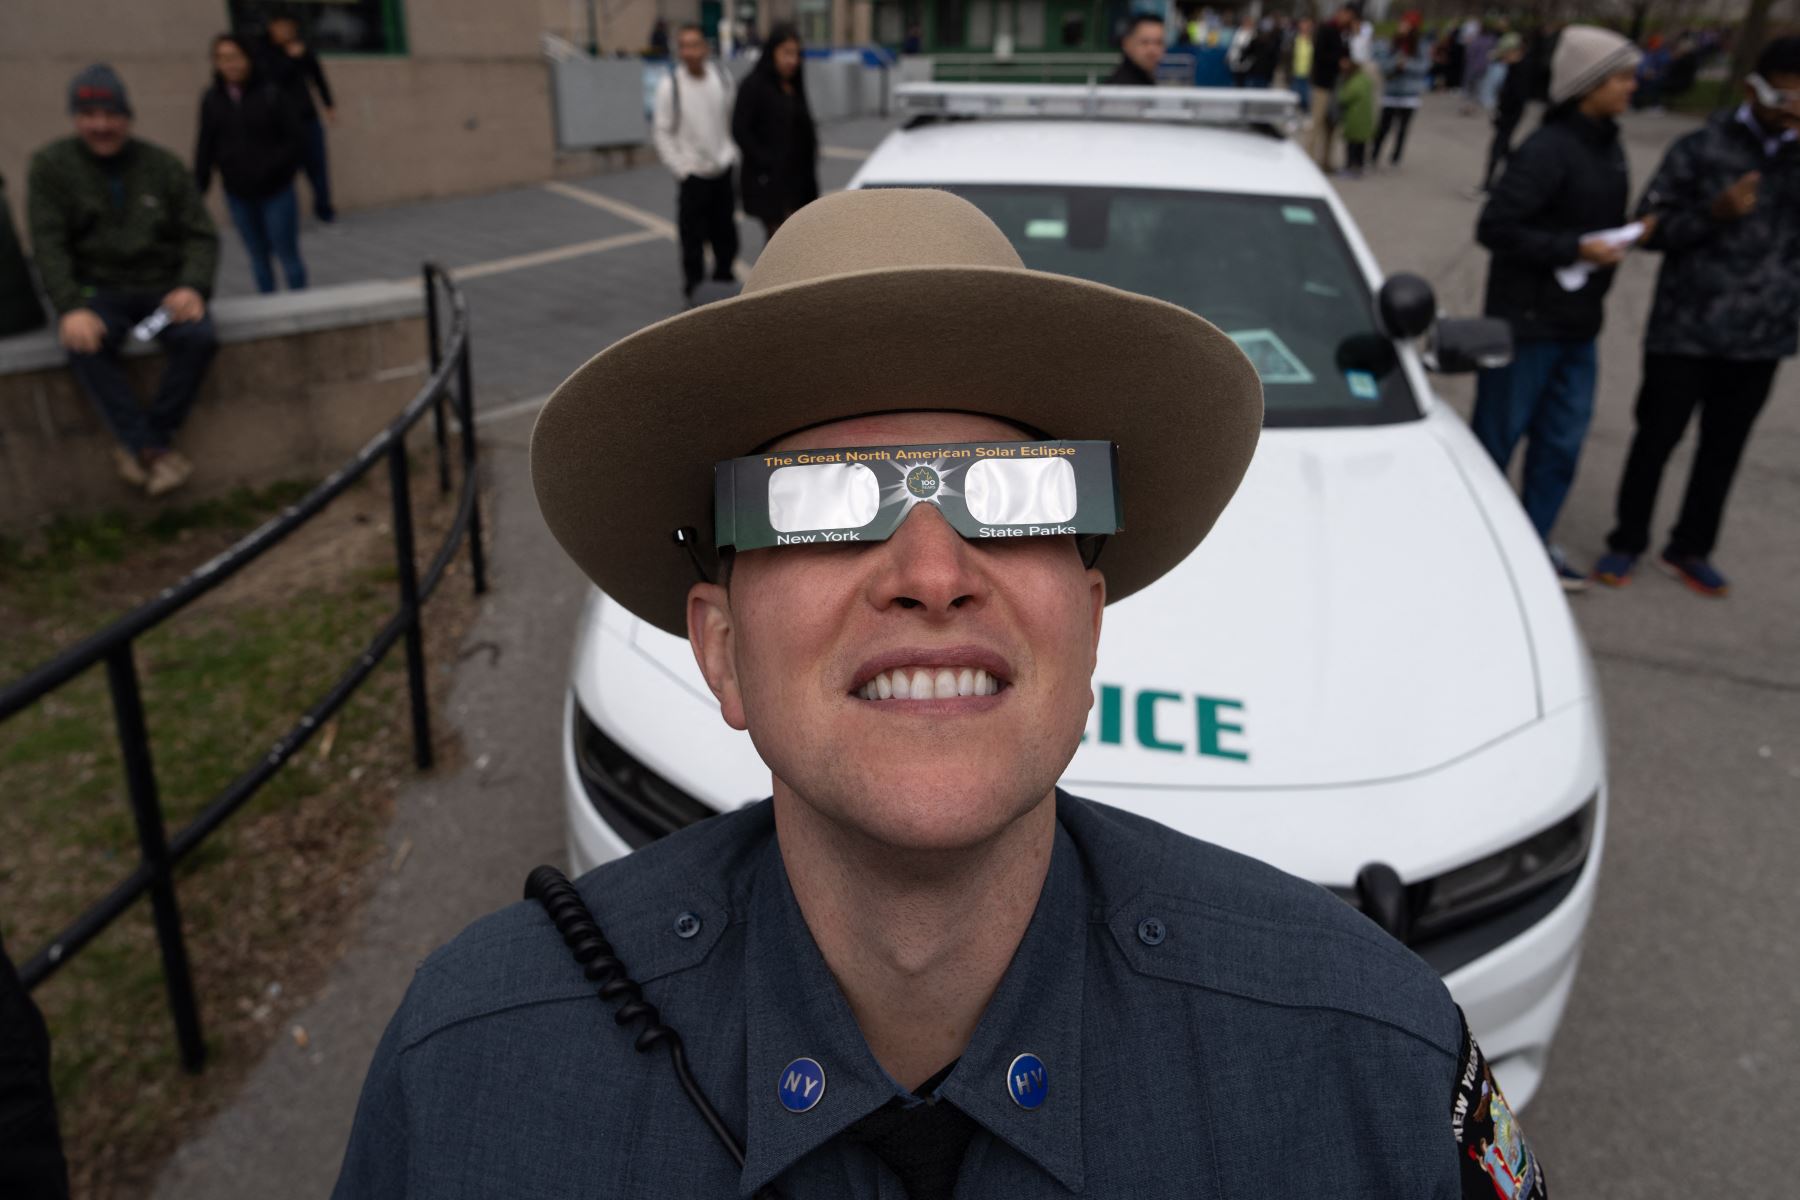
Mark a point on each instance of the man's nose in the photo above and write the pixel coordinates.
(927, 566)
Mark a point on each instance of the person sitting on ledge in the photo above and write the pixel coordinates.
(125, 248)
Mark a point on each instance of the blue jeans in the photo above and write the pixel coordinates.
(1546, 396)
(271, 224)
(1303, 89)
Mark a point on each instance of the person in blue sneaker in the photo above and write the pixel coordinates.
(1550, 273)
(919, 968)
(1727, 311)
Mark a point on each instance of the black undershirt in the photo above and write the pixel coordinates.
(923, 1144)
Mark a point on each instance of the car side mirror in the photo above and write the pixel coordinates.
(1459, 345)
(1407, 305)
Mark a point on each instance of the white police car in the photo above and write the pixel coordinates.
(1426, 743)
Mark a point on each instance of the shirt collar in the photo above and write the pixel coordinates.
(1771, 142)
(794, 1009)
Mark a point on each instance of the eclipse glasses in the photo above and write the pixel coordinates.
(862, 493)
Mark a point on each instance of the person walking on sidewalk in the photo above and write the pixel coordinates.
(1406, 73)
(1328, 50)
(692, 126)
(250, 132)
(120, 235)
(1727, 310)
(1549, 275)
(298, 72)
(1300, 64)
(774, 131)
(1356, 112)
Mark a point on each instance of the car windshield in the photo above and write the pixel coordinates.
(1274, 272)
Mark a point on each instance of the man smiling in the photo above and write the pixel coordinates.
(919, 969)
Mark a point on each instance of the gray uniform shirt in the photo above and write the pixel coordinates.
(1206, 1026)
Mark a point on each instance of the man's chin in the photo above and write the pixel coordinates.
(918, 816)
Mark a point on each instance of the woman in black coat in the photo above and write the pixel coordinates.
(250, 131)
(774, 132)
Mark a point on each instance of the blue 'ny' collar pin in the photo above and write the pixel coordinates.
(801, 1086)
(1027, 1082)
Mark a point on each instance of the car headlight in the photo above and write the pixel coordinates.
(639, 805)
(1480, 891)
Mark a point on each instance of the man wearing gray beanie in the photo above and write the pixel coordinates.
(1549, 273)
(120, 235)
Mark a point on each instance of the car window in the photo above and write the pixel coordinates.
(1274, 272)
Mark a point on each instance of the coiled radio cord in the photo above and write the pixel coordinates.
(581, 933)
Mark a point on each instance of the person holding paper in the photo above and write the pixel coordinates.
(1555, 224)
(1727, 311)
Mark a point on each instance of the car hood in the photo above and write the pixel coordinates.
(1350, 619)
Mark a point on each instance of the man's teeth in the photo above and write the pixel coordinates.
(929, 683)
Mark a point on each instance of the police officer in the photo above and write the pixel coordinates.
(919, 969)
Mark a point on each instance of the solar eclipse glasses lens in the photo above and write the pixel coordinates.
(863, 493)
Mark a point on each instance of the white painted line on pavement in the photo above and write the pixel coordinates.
(618, 208)
(843, 152)
(556, 254)
(518, 408)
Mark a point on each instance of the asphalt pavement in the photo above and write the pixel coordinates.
(1672, 1073)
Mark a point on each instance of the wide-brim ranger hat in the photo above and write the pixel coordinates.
(876, 301)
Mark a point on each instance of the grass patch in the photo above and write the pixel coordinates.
(266, 901)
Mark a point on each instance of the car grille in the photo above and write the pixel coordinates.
(640, 805)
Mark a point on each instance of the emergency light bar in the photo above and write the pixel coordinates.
(1188, 105)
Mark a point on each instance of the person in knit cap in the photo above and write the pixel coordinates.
(120, 234)
(1551, 224)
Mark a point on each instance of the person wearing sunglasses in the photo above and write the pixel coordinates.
(1727, 310)
(920, 968)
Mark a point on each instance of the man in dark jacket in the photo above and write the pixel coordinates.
(120, 234)
(1550, 272)
(1140, 52)
(31, 1156)
(1727, 203)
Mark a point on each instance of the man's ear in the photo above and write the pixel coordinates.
(712, 636)
(1097, 593)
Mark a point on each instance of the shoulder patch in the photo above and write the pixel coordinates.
(1495, 1161)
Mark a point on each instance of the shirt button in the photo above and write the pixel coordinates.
(687, 925)
(1151, 931)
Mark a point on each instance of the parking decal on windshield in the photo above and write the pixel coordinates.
(1271, 356)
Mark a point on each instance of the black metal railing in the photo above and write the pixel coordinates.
(158, 853)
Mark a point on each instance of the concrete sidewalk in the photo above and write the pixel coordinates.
(553, 272)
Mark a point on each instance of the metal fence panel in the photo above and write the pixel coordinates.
(601, 101)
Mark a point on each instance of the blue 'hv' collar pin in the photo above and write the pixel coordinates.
(801, 1086)
(1027, 1082)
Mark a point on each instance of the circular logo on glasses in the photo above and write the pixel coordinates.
(922, 482)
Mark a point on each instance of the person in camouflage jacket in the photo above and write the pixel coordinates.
(1727, 310)
(119, 233)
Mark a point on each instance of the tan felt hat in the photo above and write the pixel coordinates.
(885, 300)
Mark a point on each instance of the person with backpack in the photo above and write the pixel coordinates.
(692, 131)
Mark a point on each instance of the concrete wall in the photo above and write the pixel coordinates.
(467, 109)
(302, 381)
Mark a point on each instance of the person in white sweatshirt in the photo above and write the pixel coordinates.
(692, 129)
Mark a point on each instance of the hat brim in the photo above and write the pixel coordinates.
(622, 454)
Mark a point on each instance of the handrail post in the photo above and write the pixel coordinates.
(437, 358)
(399, 483)
(465, 400)
(153, 845)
